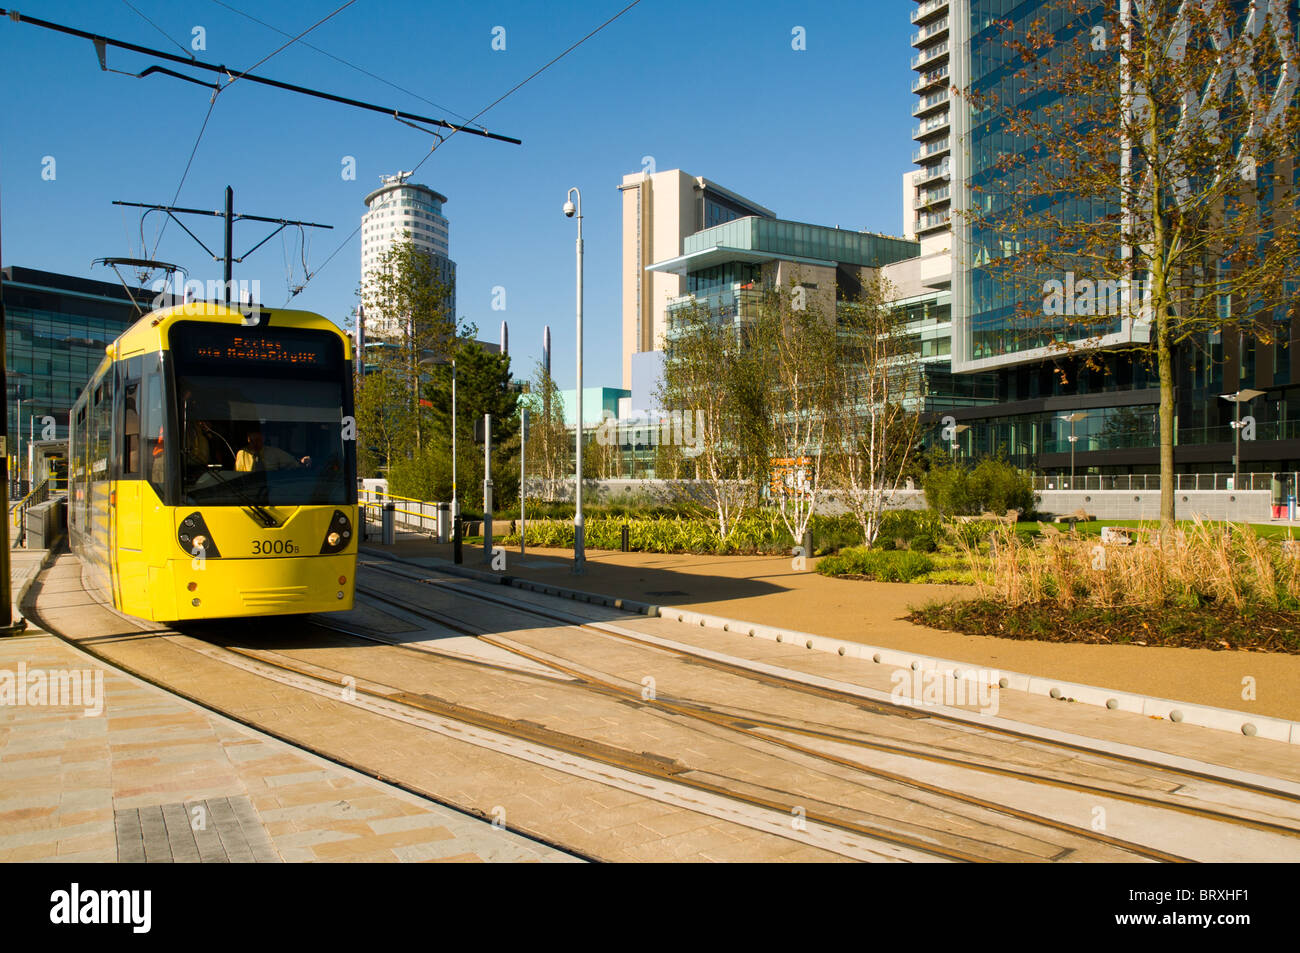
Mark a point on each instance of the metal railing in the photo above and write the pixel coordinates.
(412, 515)
(933, 53)
(929, 79)
(1151, 481)
(37, 495)
(928, 31)
(927, 8)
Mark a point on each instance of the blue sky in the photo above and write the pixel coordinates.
(820, 135)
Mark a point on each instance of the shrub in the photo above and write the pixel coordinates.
(907, 526)
(994, 486)
(883, 565)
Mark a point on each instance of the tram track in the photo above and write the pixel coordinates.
(780, 804)
(758, 726)
(745, 723)
(760, 672)
(831, 825)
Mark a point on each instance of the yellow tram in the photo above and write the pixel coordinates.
(212, 466)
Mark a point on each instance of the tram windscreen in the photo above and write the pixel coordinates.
(261, 411)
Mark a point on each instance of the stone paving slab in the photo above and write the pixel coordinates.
(155, 779)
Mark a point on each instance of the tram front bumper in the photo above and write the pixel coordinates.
(225, 588)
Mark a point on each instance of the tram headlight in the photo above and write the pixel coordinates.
(338, 535)
(195, 538)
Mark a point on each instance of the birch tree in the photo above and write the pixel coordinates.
(875, 432)
(709, 374)
(797, 346)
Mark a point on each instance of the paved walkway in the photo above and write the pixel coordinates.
(770, 591)
(96, 765)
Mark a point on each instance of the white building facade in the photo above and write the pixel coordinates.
(399, 211)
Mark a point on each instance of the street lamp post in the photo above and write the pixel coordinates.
(574, 209)
(455, 506)
(1243, 396)
(1073, 419)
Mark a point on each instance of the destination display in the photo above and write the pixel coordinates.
(281, 347)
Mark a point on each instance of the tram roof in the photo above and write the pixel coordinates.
(150, 332)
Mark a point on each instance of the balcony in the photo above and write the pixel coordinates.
(931, 8)
(933, 78)
(923, 36)
(932, 197)
(736, 302)
(931, 127)
(932, 149)
(931, 103)
(932, 55)
(935, 222)
(933, 174)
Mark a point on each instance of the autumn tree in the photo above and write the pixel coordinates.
(1133, 183)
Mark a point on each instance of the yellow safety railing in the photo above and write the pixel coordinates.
(42, 488)
(383, 498)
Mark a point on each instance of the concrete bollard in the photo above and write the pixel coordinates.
(444, 522)
(389, 532)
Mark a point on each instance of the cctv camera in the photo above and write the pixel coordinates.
(569, 209)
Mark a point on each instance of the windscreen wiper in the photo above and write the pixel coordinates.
(258, 512)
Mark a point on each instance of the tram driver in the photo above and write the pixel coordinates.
(260, 456)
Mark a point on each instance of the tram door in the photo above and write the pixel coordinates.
(132, 571)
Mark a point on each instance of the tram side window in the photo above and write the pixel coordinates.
(131, 432)
(77, 468)
(103, 432)
(154, 461)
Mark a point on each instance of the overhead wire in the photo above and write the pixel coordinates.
(211, 104)
(174, 41)
(292, 41)
(184, 175)
(496, 102)
(347, 63)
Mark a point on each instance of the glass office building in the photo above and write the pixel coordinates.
(1037, 384)
(56, 330)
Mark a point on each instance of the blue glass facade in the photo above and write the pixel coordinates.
(995, 323)
(57, 328)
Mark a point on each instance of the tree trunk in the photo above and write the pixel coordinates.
(1165, 362)
(1164, 358)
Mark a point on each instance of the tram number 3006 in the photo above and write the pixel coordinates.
(273, 547)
